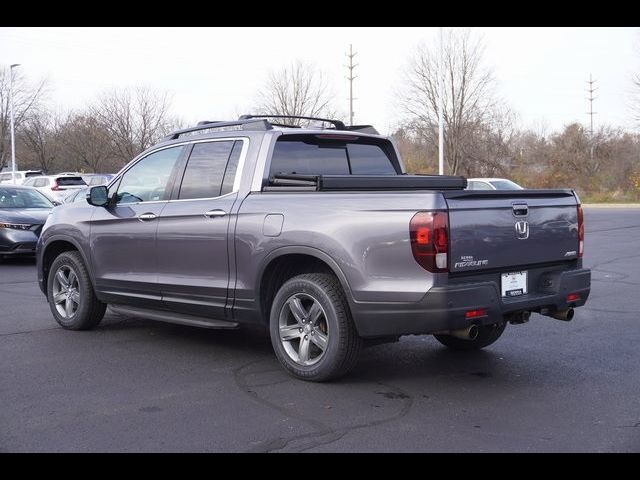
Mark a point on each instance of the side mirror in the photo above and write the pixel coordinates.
(98, 196)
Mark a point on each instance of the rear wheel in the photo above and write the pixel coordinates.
(312, 332)
(70, 293)
(487, 334)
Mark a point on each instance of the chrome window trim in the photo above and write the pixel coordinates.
(236, 180)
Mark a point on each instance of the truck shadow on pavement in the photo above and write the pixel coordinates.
(386, 384)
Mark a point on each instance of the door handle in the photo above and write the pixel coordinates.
(215, 213)
(145, 217)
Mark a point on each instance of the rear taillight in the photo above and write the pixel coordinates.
(580, 231)
(55, 187)
(429, 232)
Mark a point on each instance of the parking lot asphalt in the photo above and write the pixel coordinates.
(136, 385)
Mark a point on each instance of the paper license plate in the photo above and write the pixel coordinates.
(514, 284)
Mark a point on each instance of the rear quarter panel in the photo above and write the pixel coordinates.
(365, 233)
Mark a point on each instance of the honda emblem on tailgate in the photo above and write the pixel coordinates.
(522, 229)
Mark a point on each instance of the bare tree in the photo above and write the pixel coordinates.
(468, 102)
(134, 119)
(26, 99)
(41, 140)
(300, 90)
(88, 146)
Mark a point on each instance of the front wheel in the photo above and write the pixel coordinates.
(312, 332)
(487, 334)
(70, 293)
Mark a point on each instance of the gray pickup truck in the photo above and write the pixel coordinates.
(316, 233)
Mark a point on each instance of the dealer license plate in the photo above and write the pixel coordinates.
(514, 284)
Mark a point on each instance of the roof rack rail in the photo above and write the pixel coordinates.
(336, 123)
(247, 124)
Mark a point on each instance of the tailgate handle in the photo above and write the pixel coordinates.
(520, 209)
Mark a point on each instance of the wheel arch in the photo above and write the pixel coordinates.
(54, 247)
(286, 262)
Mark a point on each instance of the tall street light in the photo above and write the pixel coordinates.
(13, 135)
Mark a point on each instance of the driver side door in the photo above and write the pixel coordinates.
(123, 234)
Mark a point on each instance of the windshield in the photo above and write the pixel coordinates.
(505, 185)
(23, 198)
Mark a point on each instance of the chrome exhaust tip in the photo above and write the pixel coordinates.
(564, 315)
(469, 333)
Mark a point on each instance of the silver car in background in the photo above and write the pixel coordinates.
(492, 184)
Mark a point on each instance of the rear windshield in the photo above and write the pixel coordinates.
(311, 155)
(69, 181)
(33, 174)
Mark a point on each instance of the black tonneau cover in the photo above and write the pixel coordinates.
(369, 182)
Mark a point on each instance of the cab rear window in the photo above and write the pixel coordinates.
(315, 155)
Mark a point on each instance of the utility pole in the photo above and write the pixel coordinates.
(13, 135)
(591, 98)
(351, 78)
(591, 113)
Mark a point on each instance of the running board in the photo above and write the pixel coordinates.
(171, 317)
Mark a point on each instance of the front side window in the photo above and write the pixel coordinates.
(149, 179)
(205, 173)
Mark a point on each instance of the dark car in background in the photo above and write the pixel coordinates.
(23, 211)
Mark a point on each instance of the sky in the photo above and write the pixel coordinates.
(214, 73)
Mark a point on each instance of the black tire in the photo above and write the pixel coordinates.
(487, 334)
(89, 310)
(343, 343)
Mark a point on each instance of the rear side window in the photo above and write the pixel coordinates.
(232, 166)
(310, 155)
(205, 172)
(69, 181)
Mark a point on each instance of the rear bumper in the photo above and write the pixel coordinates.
(444, 308)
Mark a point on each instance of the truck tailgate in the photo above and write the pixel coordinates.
(506, 229)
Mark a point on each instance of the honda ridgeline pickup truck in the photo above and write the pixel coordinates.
(318, 234)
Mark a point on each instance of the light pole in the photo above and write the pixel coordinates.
(13, 135)
(440, 109)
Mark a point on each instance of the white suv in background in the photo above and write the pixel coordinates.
(21, 176)
(56, 187)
